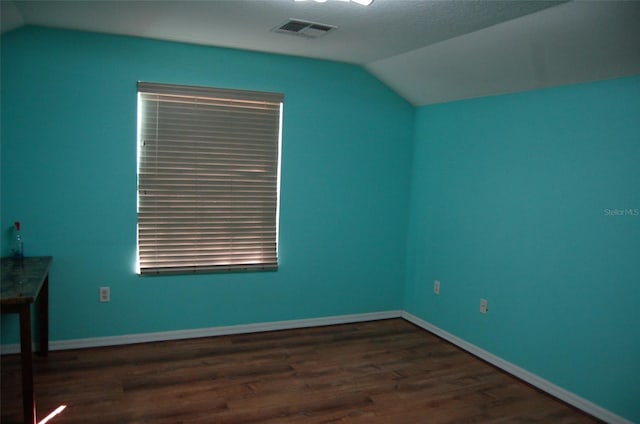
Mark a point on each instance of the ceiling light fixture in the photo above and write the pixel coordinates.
(360, 2)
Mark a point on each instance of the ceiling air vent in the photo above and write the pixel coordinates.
(303, 28)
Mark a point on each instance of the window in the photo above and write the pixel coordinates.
(208, 173)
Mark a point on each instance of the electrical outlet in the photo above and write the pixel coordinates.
(436, 287)
(483, 306)
(105, 294)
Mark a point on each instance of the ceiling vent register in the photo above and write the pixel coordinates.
(304, 28)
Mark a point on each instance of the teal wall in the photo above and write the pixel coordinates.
(503, 197)
(69, 174)
(509, 203)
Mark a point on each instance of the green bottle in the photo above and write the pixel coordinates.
(18, 251)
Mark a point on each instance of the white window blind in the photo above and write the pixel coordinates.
(208, 169)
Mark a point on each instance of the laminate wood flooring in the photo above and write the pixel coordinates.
(374, 372)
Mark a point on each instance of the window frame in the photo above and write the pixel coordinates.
(247, 126)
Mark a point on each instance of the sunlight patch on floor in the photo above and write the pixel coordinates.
(55, 412)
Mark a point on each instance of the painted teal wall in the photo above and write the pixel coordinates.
(509, 203)
(69, 174)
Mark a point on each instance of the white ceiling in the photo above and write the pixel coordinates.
(427, 51)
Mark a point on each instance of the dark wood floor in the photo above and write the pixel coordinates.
(375, 372)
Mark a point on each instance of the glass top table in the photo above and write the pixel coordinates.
(22, 279)
(22, 283)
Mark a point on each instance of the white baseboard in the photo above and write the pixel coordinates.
(518, 372)
(207, 332)
(533, 379)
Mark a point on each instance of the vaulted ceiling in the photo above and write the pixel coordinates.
(427, 51)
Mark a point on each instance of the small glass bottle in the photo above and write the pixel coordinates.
(18, 251)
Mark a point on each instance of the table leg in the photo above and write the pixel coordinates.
(44, 317)
(28, 400)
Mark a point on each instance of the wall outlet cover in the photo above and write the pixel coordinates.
(105, 294)
(483, 306)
